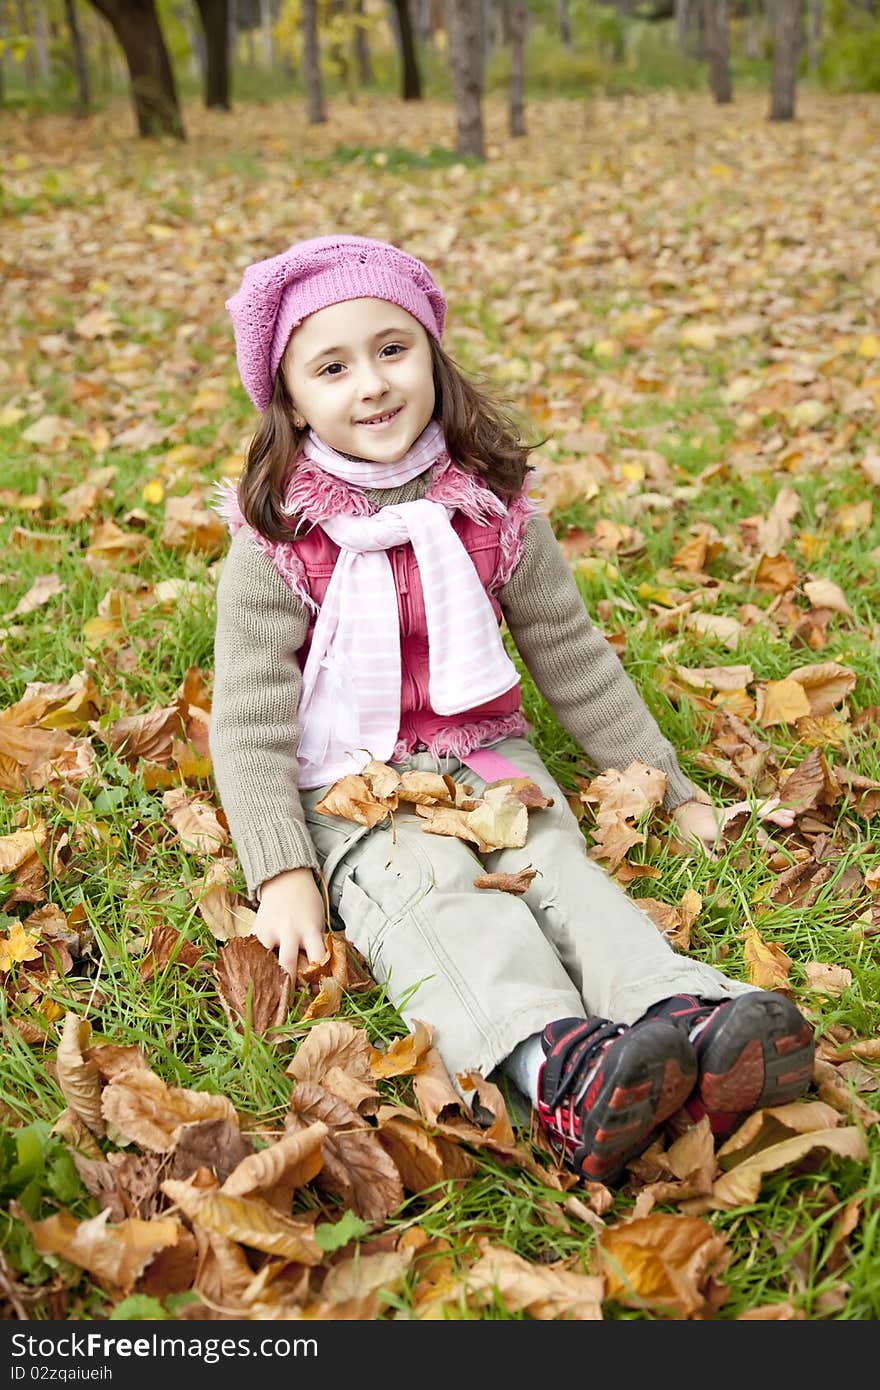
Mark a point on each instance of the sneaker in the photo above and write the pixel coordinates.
(604, 1089)
(753, 1051)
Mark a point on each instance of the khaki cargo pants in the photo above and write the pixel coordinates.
(486, 968)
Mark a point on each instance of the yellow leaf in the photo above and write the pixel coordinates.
(869, 346)
(781, 702)
(17, 946)
(153, 492)
(768, 964)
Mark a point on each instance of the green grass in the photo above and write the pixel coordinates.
(124, 872)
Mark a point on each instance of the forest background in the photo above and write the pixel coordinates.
(658, 234)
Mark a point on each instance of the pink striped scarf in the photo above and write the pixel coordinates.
(350, 706)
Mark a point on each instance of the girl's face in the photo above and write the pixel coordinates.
(360, 372)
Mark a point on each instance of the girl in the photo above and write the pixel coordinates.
(382, 531)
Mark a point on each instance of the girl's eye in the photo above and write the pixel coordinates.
(393, 347)
(329, 369)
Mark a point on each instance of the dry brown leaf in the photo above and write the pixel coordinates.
(356, 1166)
(326, 1002)
(767, 963)
(613, 842)
(352, 798)
(403, 1056)
(671, 1263)
(115, 1255)
(189, 525)
(824, 593)
(364, 1274)
(139, 1106)
(422, 1159)
(453, 821)
(149, 735)
(832, 980)
(248, 1220)
(196, 822)
(426, 788)
(625, 794)
(781, 702)
(776, 573)
(825, 685)
(741, 1185)
(217, 1145)
(252, 985)
(78, 1076)
(543, 1291)
(290, 1162)
(225, 918)
(164, 945)
(333, 1043)
(501, 819)
(517, 883)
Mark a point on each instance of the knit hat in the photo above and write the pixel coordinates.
(277, 294)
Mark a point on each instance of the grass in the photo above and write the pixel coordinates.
(124, 872)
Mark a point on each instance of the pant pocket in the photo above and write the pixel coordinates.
(366, 925)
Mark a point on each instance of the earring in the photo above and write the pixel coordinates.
(298, 421)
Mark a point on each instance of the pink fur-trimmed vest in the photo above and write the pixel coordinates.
(491, 531)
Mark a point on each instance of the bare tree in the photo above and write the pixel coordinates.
(466, 68)
(266, 29)
(788, 36)
(312, 63)
(716, 25)
(24, 27)
(214, 15)
(814, 34)
(563, 23)
(81, 67)
(517, 24)
(153, 90)
(362, 46)
(410, 75)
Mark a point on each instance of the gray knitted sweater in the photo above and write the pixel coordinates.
(254, 728)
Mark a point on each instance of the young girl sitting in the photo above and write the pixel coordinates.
(384, 532)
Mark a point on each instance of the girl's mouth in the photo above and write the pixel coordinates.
(378, 420)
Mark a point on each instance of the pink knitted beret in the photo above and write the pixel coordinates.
(277, 294)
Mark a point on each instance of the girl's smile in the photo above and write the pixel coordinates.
(361, 374)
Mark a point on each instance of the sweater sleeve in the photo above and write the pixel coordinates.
(254, 728)
(576, 669)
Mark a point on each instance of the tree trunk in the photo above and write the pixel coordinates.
(410, 73)
(81, 67)
(266, 29)
(41, 42)
(563, 21)
(718, 49)
(233, 34)
(787, 39)
(362, 48)
(153, 91)
(312, 63)
(214, 15)
(517, 21)
(682, 17)
(467, 76)
(814, 38)
(24, 27)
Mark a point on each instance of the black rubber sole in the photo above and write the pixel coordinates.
(757, 1052)
(644, 1078)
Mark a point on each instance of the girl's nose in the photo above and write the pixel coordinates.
(372, 382)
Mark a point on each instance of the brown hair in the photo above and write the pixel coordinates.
(481, 436)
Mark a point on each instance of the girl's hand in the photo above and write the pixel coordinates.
(701, 823)
(291, 918)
